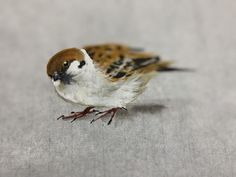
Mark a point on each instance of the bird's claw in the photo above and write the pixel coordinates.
(92, 121)
(73, 120)
(111, 111)
(61, 117)
(77, 115)
(89, 110)
(98, 112)
(109, 122)
(95, 111)
(124, 108)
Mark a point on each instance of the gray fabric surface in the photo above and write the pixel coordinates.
(183, 125)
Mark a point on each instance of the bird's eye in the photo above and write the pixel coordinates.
(66, 63)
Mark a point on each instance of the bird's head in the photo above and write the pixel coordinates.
(67, 64)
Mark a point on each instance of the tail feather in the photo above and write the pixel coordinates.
(164, 66)
(170, 69)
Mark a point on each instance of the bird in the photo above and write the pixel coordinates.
(108, 76)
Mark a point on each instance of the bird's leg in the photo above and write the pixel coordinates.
(77, 115)
(111, 111)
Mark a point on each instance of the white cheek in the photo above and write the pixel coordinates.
(56, 83)
(73, 69)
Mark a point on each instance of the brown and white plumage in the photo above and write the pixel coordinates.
(121, 62)
(107, 75)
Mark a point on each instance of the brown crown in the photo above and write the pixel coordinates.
(55, 64)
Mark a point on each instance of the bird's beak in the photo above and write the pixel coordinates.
(56, 77)
(63, 77)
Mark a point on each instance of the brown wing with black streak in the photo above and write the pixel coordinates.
(120, 61)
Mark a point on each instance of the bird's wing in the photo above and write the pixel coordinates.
(120, 62)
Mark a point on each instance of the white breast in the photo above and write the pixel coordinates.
(102, 94)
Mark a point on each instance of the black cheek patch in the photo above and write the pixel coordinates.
(82, 63)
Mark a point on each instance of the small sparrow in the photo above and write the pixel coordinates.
(106, 75)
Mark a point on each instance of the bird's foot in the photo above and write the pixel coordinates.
(77, 115)
(111, 111)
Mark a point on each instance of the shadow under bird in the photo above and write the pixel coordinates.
(105, 75)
